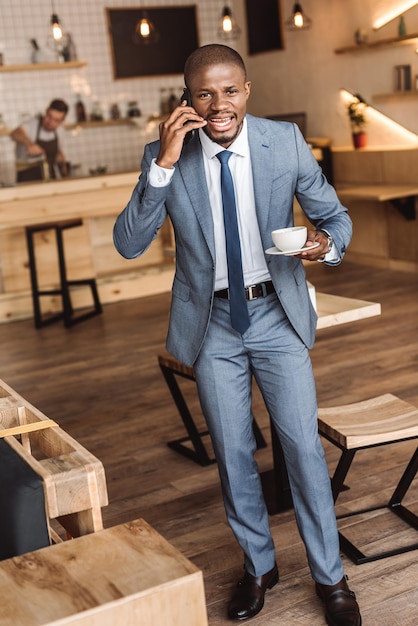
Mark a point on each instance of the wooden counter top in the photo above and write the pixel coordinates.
(67, 185)
(97, 196)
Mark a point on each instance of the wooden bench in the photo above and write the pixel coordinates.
(170, 368)
(73, 479)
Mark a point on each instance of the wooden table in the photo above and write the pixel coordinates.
(126, 575)
(334, 310)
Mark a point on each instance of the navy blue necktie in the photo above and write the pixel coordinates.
(237, 301)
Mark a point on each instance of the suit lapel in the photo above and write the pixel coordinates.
(192, 171)
(261, 161)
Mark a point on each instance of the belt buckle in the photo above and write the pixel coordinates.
(250, 292)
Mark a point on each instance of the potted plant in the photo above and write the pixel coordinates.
(358, 120)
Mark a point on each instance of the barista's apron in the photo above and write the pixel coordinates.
(51, 150)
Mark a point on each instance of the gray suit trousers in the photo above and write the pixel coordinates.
(272, 353)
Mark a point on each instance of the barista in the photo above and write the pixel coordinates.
(41, 137)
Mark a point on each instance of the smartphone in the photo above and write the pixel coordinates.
(186, 96)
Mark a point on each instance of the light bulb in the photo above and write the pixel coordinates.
(298, 20)
(145, 32)
(227, 24)
(56, 27)
(144, 28)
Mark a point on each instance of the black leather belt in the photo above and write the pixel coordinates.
(251, 293)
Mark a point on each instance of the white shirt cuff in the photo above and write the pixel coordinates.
(332, 255)
(159, 176)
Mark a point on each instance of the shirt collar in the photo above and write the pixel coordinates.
(239, 146)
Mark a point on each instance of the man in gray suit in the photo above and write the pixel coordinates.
(270, 164)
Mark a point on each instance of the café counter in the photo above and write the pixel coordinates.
(89, 249)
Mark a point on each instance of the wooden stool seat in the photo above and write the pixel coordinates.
(375, 422)
(67, 313)
(170, 368)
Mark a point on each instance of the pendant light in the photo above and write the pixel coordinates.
(298, 20)
(145, 32)
(56, 28)
(228, 27)
(56, 38)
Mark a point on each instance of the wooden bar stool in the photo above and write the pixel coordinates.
(67, 313)
(379, 421)
(170, 368)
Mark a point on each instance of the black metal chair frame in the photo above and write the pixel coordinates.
(395, 503)
(67, 313)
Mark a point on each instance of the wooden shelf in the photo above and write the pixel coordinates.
(373, 45)
(30, 67)
(396, 95)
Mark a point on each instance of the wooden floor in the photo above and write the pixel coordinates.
(100, 380)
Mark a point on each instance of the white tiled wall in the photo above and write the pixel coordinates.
(21, 93)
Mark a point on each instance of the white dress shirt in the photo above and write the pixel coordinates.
(253, 260)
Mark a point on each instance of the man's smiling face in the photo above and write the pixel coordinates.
(219, 94)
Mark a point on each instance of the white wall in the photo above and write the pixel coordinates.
(305, 76)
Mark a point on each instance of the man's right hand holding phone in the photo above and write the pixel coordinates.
(173, 132)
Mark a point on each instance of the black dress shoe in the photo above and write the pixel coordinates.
(341, 605)
(248, 597)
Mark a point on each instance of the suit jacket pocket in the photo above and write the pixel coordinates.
(181, 290)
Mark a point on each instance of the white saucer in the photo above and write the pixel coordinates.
(275, 250)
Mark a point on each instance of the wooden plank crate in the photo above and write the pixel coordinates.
(127, 575)
(73, 479)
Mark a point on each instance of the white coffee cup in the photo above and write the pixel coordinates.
(287, 239)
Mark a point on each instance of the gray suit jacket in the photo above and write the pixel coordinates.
(283, 167)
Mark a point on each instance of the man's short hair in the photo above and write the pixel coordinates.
(59, 105)
(212, 54)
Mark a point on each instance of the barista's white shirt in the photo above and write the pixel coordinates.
(31, 127)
